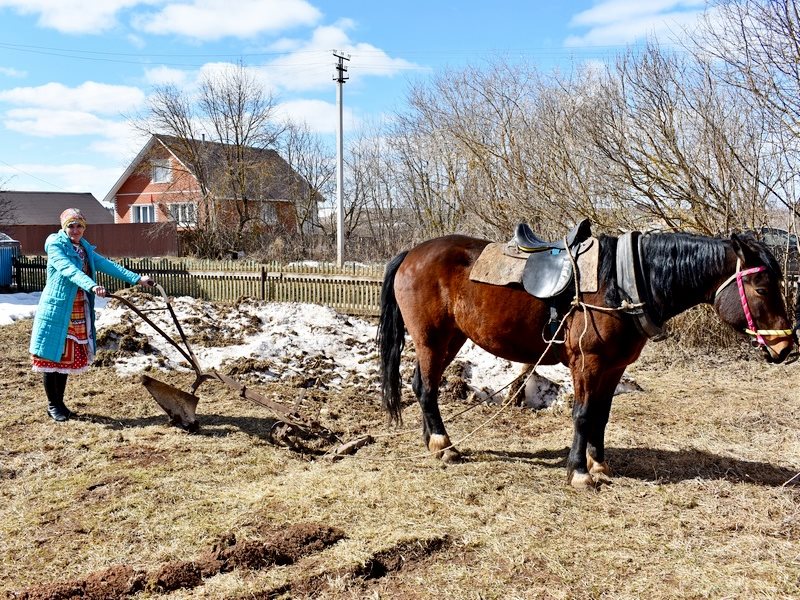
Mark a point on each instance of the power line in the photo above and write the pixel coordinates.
(31, 175)
(30, 47)
(144, 58)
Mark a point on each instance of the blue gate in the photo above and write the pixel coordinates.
(7, 254)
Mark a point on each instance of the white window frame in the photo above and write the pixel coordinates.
(143, 213)
(161, 171)
(183, 213)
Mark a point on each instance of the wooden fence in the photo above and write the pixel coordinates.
(354, 289)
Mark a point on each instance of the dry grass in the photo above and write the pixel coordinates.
(697, 508)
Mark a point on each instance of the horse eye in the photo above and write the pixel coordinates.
(761, 291)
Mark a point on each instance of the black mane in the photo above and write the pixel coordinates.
(678, 267)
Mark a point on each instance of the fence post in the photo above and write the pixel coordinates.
(263, 283)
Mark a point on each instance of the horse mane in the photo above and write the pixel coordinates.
(607, 269)
(676, 266)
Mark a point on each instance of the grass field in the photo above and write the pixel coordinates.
(704, 502)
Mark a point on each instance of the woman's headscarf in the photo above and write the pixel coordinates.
(72, 215)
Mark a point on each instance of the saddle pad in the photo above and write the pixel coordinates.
(587, 260)
(494, 266)
(497, 266)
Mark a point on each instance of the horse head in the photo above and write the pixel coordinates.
(751, 300)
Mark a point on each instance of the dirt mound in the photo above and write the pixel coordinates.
(282, 547)
(119, 581)
(381, 564)
(252, 369)
(122, 339)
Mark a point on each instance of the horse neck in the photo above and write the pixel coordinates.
(684, 270)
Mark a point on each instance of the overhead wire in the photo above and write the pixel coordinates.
(170, 58)
(32, 176)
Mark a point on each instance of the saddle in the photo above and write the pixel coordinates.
(527, 241)
(549, 269)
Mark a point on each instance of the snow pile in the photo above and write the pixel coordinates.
(281, 340)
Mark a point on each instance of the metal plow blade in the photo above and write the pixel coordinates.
(179, 405)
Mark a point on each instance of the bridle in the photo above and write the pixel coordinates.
(751, 328)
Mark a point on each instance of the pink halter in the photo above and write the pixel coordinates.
(751, 327)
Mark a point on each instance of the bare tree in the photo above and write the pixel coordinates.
(314, 161)
(754, 47)
(8, 215)
(223, 132)
(662, 139)
(666, 127)
(241, 117)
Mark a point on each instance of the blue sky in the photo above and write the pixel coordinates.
(71, 70)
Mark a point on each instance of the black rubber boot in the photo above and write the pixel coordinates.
(54, 386)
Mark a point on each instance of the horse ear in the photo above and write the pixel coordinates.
(743, 246)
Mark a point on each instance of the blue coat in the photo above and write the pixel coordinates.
(64, 277)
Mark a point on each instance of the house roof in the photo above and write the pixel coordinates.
(280, 183)
(44, 208)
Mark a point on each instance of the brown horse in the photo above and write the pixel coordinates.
(427, 290)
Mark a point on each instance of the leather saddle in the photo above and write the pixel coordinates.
(527, 241)
(549, 269)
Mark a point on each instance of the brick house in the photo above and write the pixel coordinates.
(161, 185)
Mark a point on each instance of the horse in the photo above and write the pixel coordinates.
(427, 292)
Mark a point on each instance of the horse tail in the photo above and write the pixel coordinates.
(391, 338)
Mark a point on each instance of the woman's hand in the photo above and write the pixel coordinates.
(146, 280)
(99, 290)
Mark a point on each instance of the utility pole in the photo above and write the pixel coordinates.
(340, 77)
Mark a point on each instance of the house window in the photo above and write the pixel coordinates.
(268, 213)
(162, 171)
(184, 213)
(144, 213)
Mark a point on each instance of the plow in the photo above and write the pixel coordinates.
(291, 427)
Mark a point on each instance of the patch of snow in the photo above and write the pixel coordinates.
(293, 338)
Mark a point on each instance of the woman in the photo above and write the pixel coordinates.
(63, 338)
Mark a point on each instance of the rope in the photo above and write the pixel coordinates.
(576, 303)
(492, 417)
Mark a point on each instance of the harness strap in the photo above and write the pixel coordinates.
(733, 277)
(745, 305)
(629, 273)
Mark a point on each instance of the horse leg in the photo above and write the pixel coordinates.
(594, 390)
(425, 383)
(595, 449)
(577, 467)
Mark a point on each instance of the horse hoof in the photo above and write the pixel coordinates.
(451, 456)
(599, 470)
(583, 481)
(441, 448)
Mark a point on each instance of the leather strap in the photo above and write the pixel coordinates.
(630, 278)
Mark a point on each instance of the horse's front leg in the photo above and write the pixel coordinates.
(577, 465)
(596, 462)
(594, 390)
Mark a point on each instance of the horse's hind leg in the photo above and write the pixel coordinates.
(425, 383)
